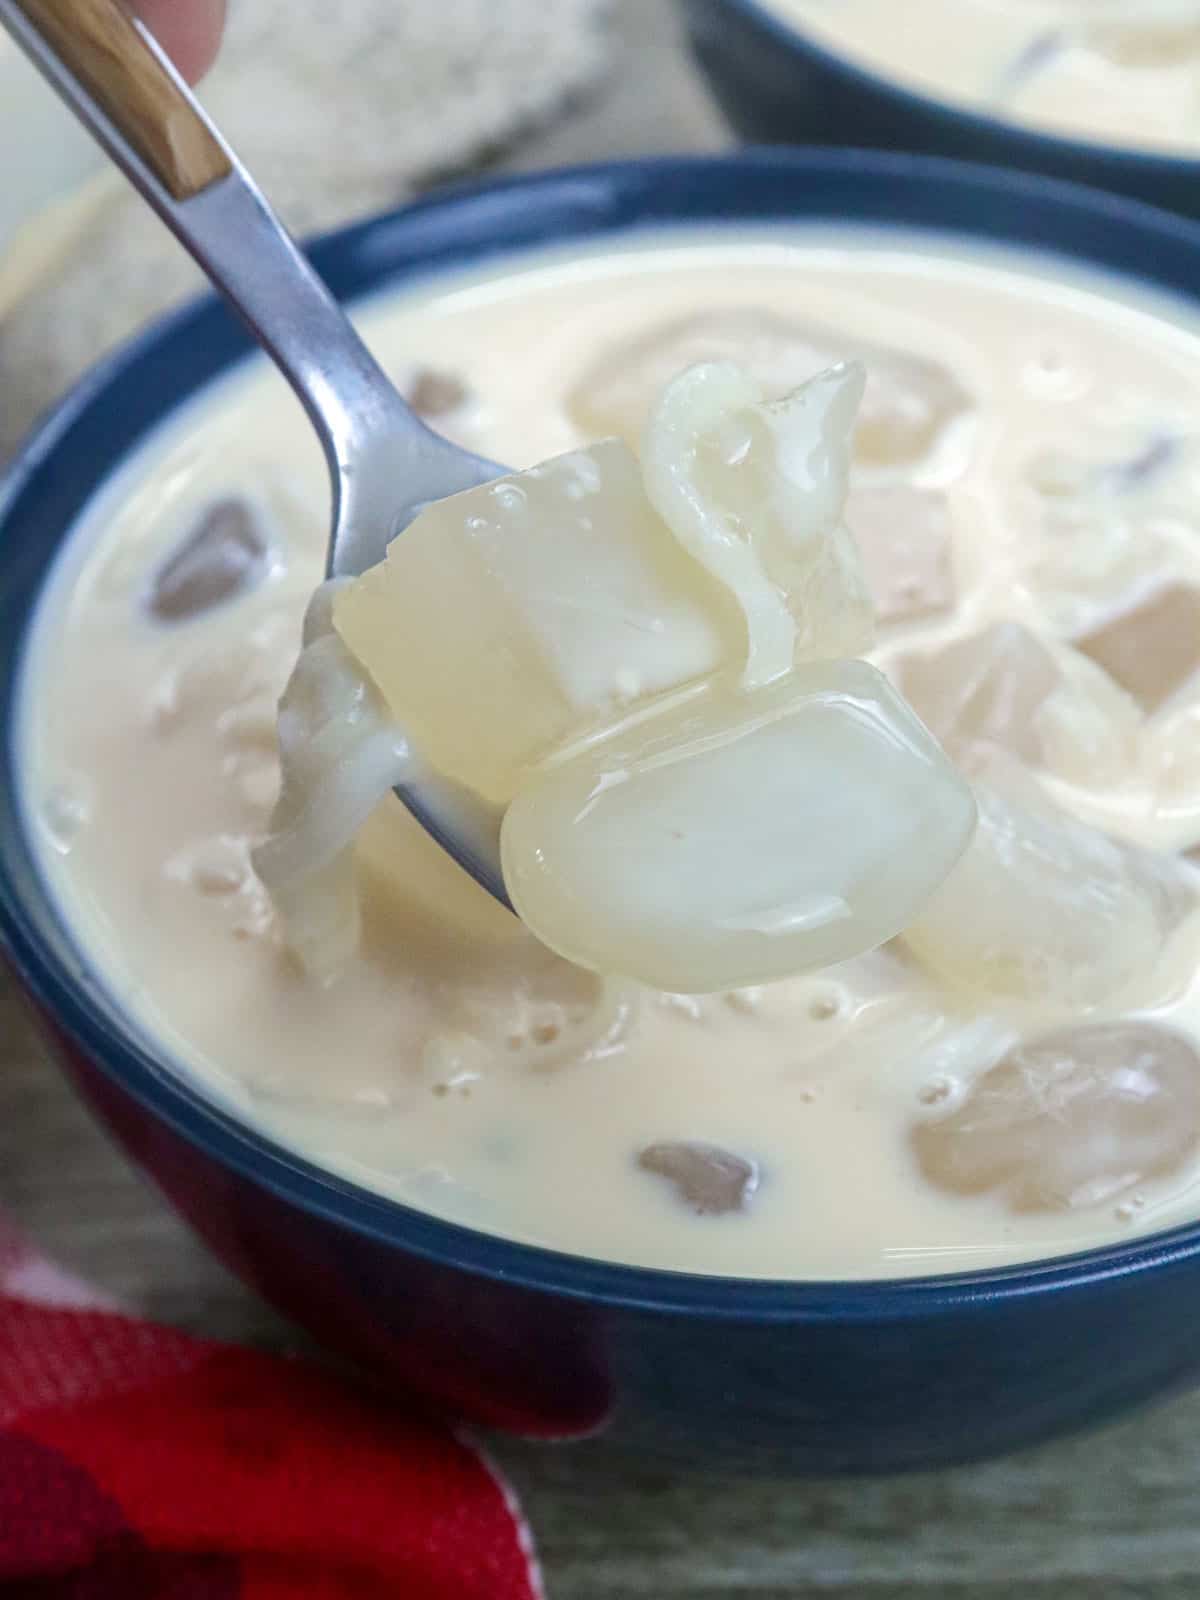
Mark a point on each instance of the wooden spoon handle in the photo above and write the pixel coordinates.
(110, 58)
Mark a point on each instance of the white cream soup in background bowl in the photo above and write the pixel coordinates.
(1099, 91)
(774, 1183)
(1120, 72)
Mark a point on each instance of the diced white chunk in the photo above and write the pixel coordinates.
(739, 839)
(536, 609)
(1074, 1118)
(1089, 729)
(508, 618)
(988, 687)
(1044, 908)
(908, 401)
(755, 493)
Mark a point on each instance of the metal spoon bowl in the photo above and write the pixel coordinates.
(384, 462)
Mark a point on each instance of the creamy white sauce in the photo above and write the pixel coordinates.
(456, 1065)
(1119, 72)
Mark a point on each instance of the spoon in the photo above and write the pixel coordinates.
(384, 463)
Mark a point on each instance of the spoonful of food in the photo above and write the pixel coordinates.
(384, 463)
(627, 695)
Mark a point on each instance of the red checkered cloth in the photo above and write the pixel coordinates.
(139, 1464)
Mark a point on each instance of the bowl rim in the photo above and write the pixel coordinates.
(1125, 163)
(457, 226)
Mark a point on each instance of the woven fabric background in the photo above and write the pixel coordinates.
(338, 109)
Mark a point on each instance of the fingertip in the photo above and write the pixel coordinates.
(188, 30)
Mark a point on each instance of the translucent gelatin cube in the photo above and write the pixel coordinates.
(709, 1180)
(755, 492)
(507, 618)
(1090, 730)
(1042, 907)
(739, 838)
(988, 687)
(907, 404)
(222, 556)
(1070, 1119)
(1153, 646)
(903, 535)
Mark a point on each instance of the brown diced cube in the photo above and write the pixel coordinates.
(1152, 647)
(435, 394)
(903, 535)
(222, 555)
(985, 688)
(708, 1179)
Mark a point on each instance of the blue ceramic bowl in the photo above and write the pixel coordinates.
(776, 83)
(813, 1377)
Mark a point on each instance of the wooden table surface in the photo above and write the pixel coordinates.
(1111, 1517)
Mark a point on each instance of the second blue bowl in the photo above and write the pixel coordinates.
(778, 85)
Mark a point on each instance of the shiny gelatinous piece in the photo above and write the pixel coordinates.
(709, 1180)
(224, 555)
(739, 838)
(988, 687)
(508, 618)
(1153, 646)
(568, 594)
(340, 754)
(1071, 1119)
(1090, 731)
(907, 404)
(903, 535)
(755, 491)
(1043, 907)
